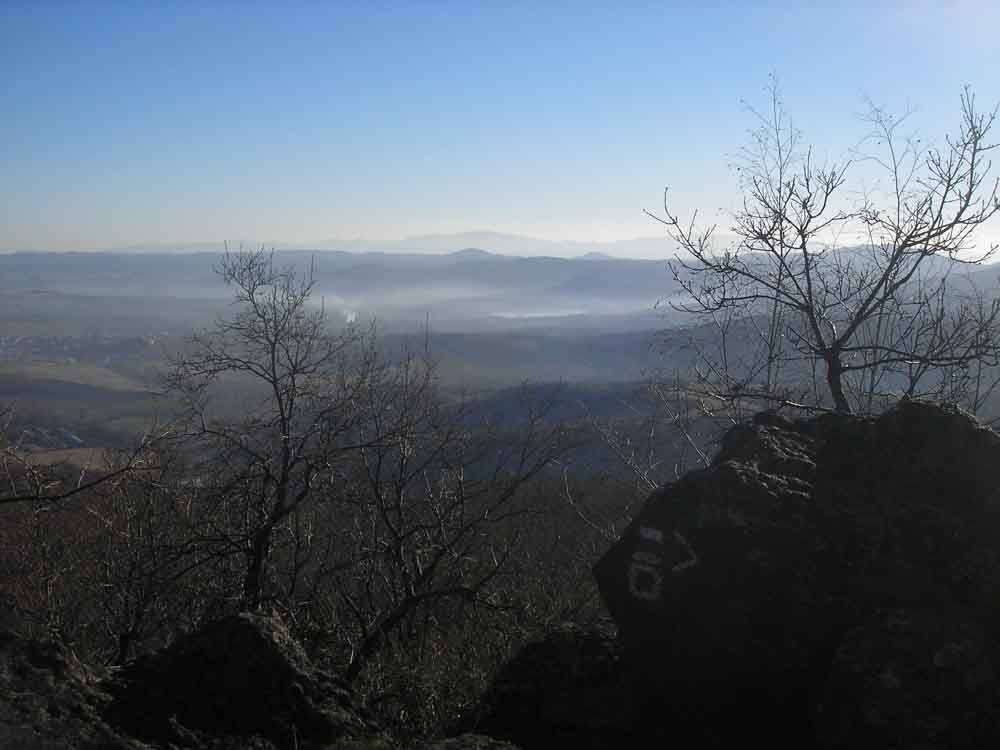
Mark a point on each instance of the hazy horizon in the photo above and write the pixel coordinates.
(490, 242)
(497, 243)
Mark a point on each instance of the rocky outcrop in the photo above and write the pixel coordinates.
(240, 683)
(826, 583)
(831, 582)
(50, 701)
(242, 676)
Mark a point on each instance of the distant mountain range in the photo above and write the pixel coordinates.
(499, 243)
(648, 248)
(469, 289)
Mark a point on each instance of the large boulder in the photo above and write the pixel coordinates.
(242, 676)
(755, 595)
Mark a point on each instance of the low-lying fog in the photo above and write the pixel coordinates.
(492, 319)
(460, 291)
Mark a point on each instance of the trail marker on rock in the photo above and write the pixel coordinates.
(645, 571)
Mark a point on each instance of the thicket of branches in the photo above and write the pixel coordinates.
(825, 299)
(309, 473)
(828, 296)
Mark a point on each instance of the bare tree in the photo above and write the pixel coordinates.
(439, 509)
(881, 308)
(269, 451)
(345, 489)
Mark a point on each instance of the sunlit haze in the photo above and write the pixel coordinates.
(352, 124)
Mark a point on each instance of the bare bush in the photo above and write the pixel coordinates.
(878, 316)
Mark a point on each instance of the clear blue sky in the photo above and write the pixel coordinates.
(136, 122)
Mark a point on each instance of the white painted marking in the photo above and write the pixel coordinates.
(653, 535)
(651, 579)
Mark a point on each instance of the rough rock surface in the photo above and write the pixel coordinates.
(49, 701)
(241, 683)
(870, 701)
(831, 582)
(567, 690)
(240, 676)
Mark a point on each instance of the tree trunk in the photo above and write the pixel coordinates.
(834, 379)
(124, 647)
(253, 583)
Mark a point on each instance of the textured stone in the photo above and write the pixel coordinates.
(910, 679)
(566, 690)
(738, 588)
(242, 676)
(50, 701)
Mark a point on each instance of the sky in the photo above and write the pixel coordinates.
(137, 123)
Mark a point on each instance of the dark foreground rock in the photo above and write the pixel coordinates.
(49, 701)
(241, 683)
(910, 679)
(241, 676)
(468, 742)
(567, 690)
(832, 582)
